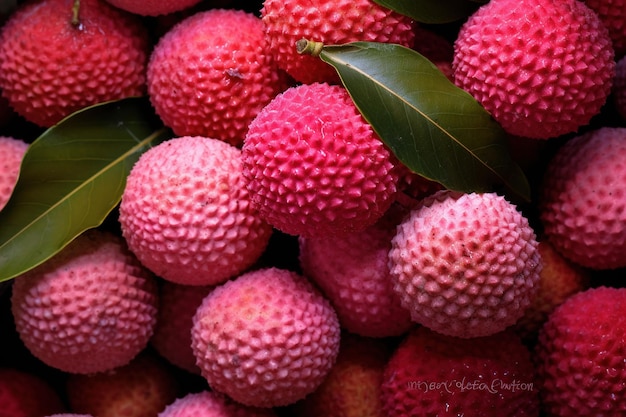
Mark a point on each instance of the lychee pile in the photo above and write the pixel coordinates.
(274, 257)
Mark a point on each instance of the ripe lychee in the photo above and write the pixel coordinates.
(331, 22)
(211, 74)
(314, 166)
(580, 355)
(434, 375)
(153, 7)
(90, 308)
(583, 199)
(187, 214)
(541, 68)
(352, 272)
(613, 14)
(53, 62)
(465, 265)
(267, 338)
(212, 404)
(25, 394)
(12, 152)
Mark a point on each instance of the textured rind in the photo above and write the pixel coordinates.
(50, 68)
(12, 152)
(267, 338)
(353, 273)
(211, 404)
(465, 265)
(153, 7)
(91, 308)
(583, 199)
(211, 74)
(541, 68)
(25, 394)
(313, 165)
(433, 375)
(186, 212)
(331, 22)
(613, 14)
(580, 355)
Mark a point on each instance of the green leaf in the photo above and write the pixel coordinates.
(435, 128)
(432, 11)
(71, 178)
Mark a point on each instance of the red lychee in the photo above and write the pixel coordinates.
(541, 68)
(51, 66)
(267, 338)
(465, 265)
(187, 214)
(153, 7)
(211, 74)
(24, 394)
(212, 404)
(12, 152)
(314, 166)
(90, 308)
(580, 355)
(613, 14)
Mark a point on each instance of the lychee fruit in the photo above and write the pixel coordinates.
(211, 74)
(266, 339)
(172, 334)
(435, 375)
(90, 308)
(25, 394)
(331, 22)
(54, 62)
(70, 415)
(465, 265)
(613, 14)
(541, 68)
(153, 7)
(580, 355)
(12, 152)
(141, 388)
(314, 166)
(583, 199)
(353, 273)
(187, 214)
(212, 404)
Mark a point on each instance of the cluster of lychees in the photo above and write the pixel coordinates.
(401, 298)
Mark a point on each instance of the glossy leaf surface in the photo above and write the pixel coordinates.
(432, 11)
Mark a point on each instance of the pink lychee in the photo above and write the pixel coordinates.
(153, 7)
(613, 14)
(12, 152)
(212, 404)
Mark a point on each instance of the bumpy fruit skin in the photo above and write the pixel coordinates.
(172, 334)
(187, 214)
(434, 375)
(12, 152)
(50, 68)
(583, 199)
(314, 166)
(23, 394)
(613, 14)
(465, 265)
(212, 404)
(211, 74)
(331, 22)
(580, 355)
(353, 273)
(267, 338)
(153, 7)
(90, 308)
(541, 68)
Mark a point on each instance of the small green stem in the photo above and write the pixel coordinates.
(75, 12)
(305, 46)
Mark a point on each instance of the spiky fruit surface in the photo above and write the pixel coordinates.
(314, 166)
(212, 404)
(24, 394)
(142, 388)
(541, 68)
(90, 308)
(613, 14)
(187, 214)
(12, 152)
(434, 375)
(330, 22)
(266, 338)
(580, 355)
(559, 280)
(172, 334)
(352, 388)
(211, 74)
(153, 7)
(583, 199)
(465, 265)
(50, 68)
(352, 272)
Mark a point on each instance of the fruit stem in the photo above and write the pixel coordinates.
(305, 46)
(75, 11)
